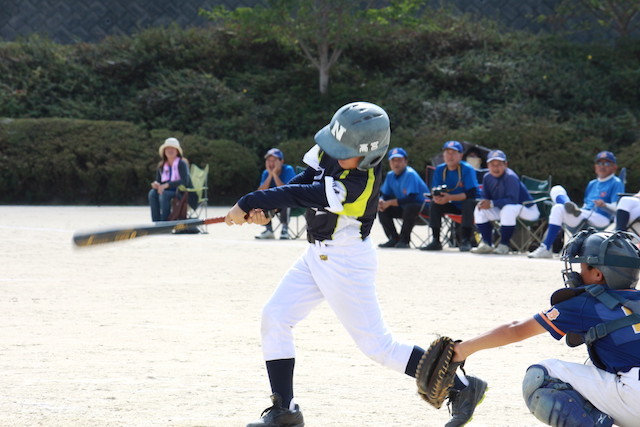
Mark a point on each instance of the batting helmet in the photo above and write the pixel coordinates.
(616, 255)
(357, 129)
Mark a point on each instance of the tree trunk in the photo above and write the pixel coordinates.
(323, 67)
(324, 80)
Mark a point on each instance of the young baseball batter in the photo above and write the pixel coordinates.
(340, 188)
(599, 307)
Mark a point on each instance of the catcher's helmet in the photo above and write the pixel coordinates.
(357, 129)
(616, 255)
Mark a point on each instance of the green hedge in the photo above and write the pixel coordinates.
(98, 162)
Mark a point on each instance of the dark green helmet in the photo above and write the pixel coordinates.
(357, 129)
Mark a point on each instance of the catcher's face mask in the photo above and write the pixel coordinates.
(570, 252)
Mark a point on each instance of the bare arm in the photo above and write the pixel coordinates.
(267, 182)
(502, 335)
(384, 204)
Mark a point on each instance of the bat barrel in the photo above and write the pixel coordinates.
(89, 238)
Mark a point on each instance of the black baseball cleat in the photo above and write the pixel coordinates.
(277, 416)
(433, 246)
(390, 244)
(465, 401)
(572, 209)
(465, 246)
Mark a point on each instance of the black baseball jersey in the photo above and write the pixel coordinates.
(342, 204)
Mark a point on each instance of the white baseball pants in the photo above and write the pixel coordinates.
(617, 395)
(507, 214)
(345, 277)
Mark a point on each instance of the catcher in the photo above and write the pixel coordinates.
(599, 307)
(340, 189)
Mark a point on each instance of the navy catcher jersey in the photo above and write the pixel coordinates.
(618, 351)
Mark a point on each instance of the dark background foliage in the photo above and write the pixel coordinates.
(86, 119)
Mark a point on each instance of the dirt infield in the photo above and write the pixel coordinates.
(165, 330)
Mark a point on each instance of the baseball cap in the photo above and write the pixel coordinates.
(605, 155)
(453, 145)
(397, 152)
(275, 153)
(496, 155)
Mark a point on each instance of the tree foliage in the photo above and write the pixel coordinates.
(620, 16)
(320, 30)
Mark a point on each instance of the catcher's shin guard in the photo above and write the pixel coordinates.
(557, 404)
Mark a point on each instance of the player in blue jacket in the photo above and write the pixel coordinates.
(340, 188)
(599, 307)
(504, 198)
(403, 195)
(454, 190)
(599, 206)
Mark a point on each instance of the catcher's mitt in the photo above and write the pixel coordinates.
(436, 371)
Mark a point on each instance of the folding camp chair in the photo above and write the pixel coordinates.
(529, 234)
(198, 194)
(421, 232)
(297, 223)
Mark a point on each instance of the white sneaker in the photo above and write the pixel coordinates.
(482, 248)
(541, 252)
(266, 234)
(502, 249)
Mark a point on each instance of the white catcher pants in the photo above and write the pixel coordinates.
(617, 395)
(345, 277)
(507, 214)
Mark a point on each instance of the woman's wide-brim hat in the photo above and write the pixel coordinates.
(170, 142)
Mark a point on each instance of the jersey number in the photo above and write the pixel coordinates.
(636, 327)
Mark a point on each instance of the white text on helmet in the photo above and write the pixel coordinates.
(369, 147)
(337, 130)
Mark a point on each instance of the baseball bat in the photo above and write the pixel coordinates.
(97, 237)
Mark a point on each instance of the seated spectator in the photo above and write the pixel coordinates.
(628, 211)
(503, 197)
(401, 196)
(454, 190)
(172, 172)
(275, 174)
(599, 204)
(473, 156)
